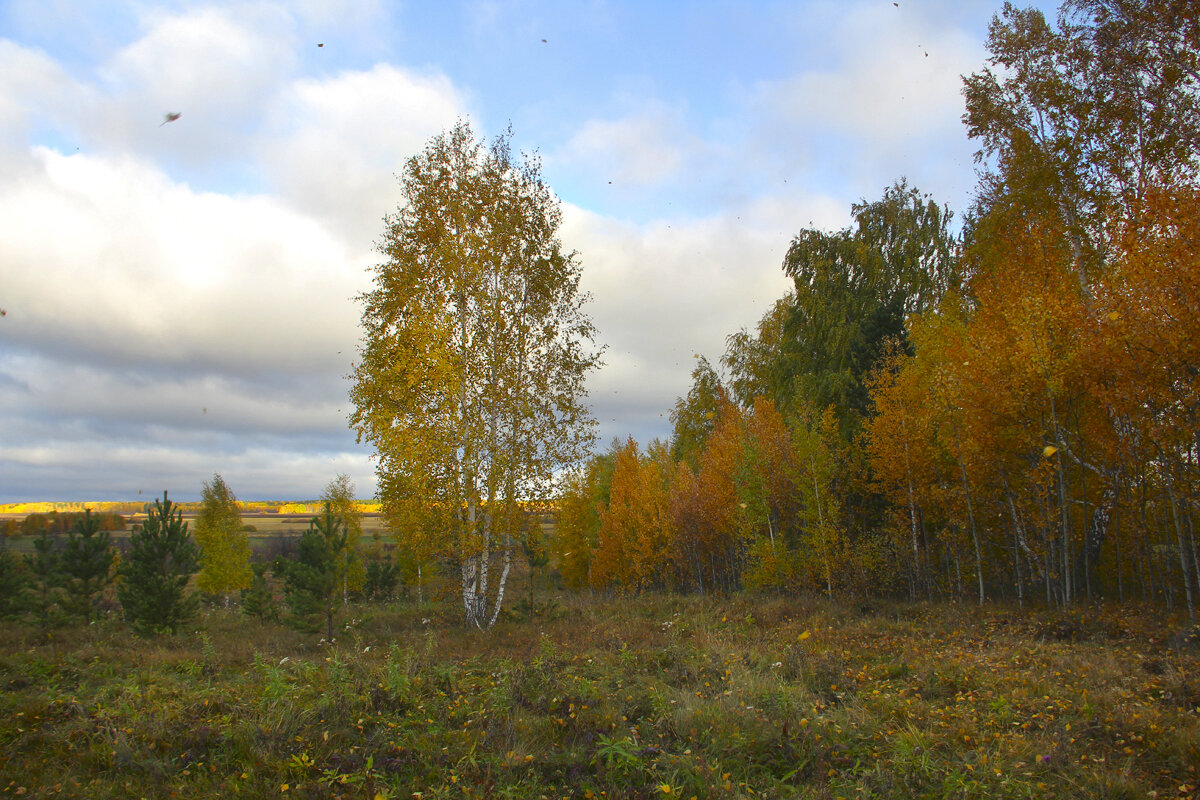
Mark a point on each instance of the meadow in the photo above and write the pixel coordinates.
(650, 696)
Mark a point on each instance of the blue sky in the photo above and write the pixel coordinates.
(180, 296)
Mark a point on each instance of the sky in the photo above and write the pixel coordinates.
(180, 296)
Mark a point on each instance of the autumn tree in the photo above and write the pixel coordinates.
(705, 504)
(584, 494)
(633, 543)
(224, 546)
(339, 495)
(475, 348)
(1080, 120)
(154, 574)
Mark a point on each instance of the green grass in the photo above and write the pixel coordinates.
(646, 697)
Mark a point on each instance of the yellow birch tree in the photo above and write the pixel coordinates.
(475, 348)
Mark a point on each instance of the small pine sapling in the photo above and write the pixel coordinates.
(44, 589)
(312, 582)
(383, 575)
(154, 576)
(258, 600)
(87, 561)
(14, 580)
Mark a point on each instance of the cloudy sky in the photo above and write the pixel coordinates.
(180, 296)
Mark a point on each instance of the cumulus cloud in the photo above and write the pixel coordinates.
(34, 90)
(216, 66)
(886, 102)
(174, 328)
(332, 147)
(154, 273)
(646, 147)
(664, 292)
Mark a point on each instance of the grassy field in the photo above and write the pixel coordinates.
(646, 697)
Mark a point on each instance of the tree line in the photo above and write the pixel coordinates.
(166, 570)
(59, 522)
(1009, 410)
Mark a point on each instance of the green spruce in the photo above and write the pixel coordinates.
(154, 576)
(381, 579)
(14, 579)
(312, 582)
(258, 600)
(44, 593)
(87, 561)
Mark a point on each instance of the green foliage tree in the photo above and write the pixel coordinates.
(45, 592)
(339, 494)
(382, 576)
(155, 572)
(694, 416)
(312, 582)
(14, 582)
(853, 291)
(257, 599)
(750, 358)
(475, 350)
(224, 546)
(86, 563)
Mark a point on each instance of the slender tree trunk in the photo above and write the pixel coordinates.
(1064, 510)
(500, 588)
(1192, 541)
(970, 512)
(912, 506)
(821, 527)
(1117, 546)
(1183, 560)
(1017, 571)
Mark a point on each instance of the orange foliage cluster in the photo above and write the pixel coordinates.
(759, 507)
(1047, 430)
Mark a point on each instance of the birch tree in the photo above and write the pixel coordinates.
(224, 546)
(339, 494)
(474, 352)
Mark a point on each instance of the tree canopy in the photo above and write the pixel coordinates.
(475, 347)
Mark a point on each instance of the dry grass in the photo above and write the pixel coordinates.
(647, 697)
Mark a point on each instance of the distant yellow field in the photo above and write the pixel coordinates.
(135, 506)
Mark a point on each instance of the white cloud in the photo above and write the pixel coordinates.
(885, 103)
(664, 292)
(333, 146)
(148, 272)
(31, 87)
(646, 147)
(215, 66)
